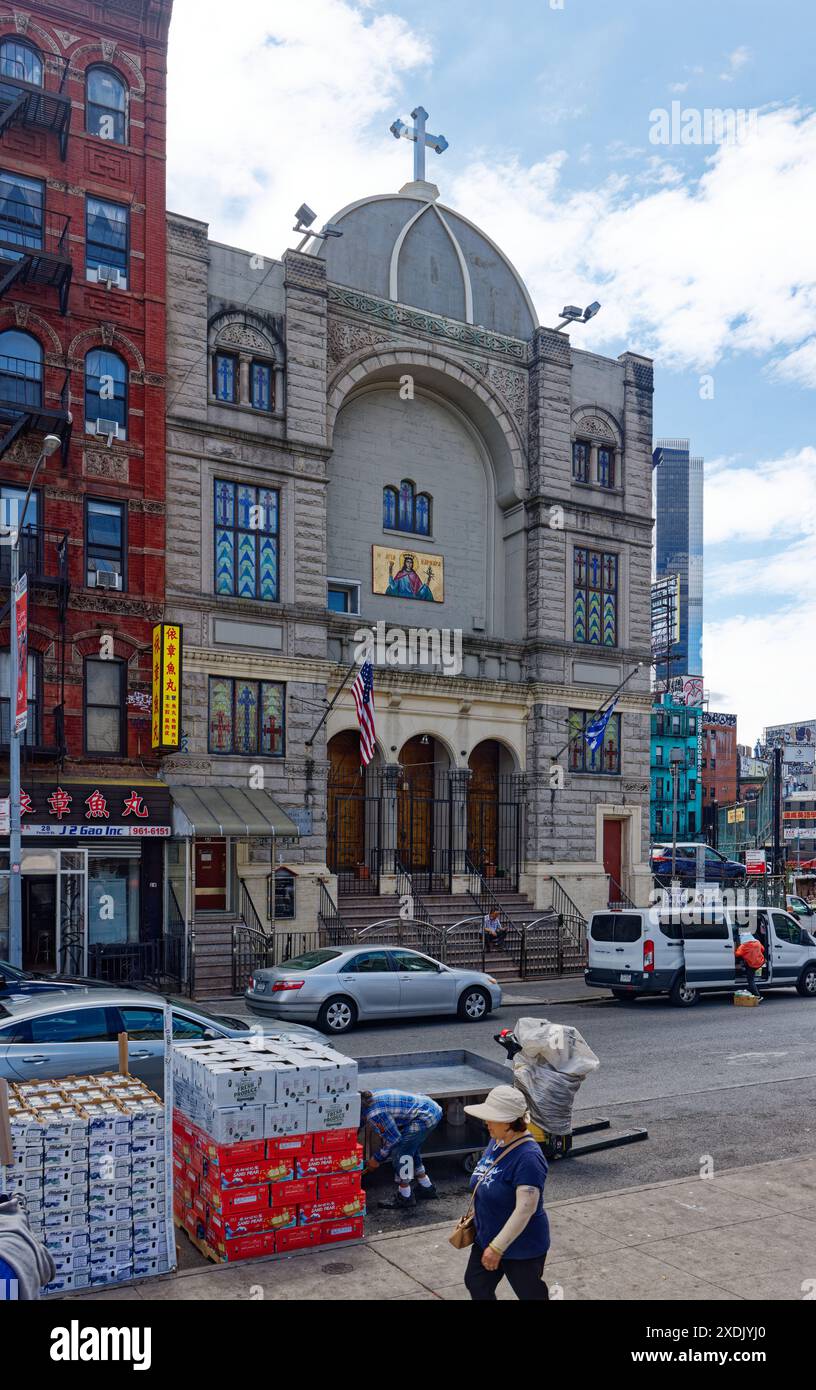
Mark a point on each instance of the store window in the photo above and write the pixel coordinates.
(113, 899)
(284, 895)
(104, 706)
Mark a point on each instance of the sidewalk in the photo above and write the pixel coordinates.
(747, 1233)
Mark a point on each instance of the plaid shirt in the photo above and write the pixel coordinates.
(397, 1114)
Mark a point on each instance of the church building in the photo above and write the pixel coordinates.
(374, 450)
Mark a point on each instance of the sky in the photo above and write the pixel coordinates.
(578, 143)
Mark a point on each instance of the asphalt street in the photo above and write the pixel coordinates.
(714, 1085)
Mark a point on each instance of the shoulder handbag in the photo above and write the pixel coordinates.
(464, 1232)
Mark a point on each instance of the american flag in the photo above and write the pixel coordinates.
(363, 692)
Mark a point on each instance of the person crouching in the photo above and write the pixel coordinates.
(403, 1122)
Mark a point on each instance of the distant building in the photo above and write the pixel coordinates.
(676, 726)
(679, 546)
(719, 761)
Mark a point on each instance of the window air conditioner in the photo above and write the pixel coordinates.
(109, 274)
(106, 579)
(109, 428)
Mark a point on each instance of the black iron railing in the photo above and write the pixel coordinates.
(551, 948)
(570, 917)
(489, 906)
(332, 926)
(615, 896)
(408, 892)
(30, 230)
(251, 950)
(248, 911)
(159, 964)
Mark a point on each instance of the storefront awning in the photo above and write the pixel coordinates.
(205, 811)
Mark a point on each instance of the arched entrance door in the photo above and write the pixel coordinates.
(346, 813)
(423, 811)
(495, 800)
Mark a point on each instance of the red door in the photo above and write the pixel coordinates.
(613, 856)
(210, 875)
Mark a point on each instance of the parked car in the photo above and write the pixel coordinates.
(337, 987)
(76, 1031)
(688, 952)
(14, 981)
(718, 869)
(802, 910)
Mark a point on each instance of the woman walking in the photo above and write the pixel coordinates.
(512, 1233)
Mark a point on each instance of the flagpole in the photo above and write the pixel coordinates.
(329, 708)
(593, 717)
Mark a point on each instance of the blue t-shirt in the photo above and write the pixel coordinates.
(495, 1200)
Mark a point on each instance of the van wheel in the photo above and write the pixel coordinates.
(806, 984)
(682, 995)
(624, 996)
(337, 1015)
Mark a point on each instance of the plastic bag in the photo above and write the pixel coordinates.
(553, 1062)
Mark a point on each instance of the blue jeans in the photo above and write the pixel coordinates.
(410, 1147)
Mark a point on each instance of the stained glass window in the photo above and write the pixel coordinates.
(606, 467)
(606, 758)
(246, 536)
(580, 461)
(225, 377)
(247, 717)
(406, 510)
(260, 386)
(595, 597)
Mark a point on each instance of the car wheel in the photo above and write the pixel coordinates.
(624, 996)
(682, 995)
(337, 1015)
(473, 1005)
(806, 984)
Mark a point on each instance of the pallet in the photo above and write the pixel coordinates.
(207, 1251)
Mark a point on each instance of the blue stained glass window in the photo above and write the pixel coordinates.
(390, 507)
(225, 377)
(595, 597)
(580, 461)
(606, 758)
(260, 386)
(247, 717)
(423, 515)
(606, 467)
(246, 539)
(406, 505)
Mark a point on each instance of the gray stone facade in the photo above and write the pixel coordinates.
(487, 429)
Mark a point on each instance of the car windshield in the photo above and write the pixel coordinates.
(198, 1012)
(309, 960)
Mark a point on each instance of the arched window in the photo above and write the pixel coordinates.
(106, 105)
(21, 62)
(405, 509)
(21, 369)
(106, 382)
(390, 508)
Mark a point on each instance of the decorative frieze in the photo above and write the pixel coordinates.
(431, 325)
(97, 464)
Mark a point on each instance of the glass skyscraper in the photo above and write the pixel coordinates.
(679, 545)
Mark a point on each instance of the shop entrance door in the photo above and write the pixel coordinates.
(210, 875)
(39, 922)
(613, 857)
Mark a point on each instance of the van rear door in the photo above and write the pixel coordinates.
(616, 941)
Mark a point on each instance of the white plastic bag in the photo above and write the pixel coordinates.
(549, 1070)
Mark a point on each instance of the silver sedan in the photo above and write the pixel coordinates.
(336, 987)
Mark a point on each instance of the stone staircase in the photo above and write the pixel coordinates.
(212, 944)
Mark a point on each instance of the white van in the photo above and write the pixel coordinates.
(685, 953)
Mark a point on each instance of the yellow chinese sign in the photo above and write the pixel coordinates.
(167, 639)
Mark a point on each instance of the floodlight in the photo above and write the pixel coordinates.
(571, 311)
(304, 215)
(591, 310)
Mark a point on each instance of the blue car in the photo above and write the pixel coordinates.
(718, 869)
(14, 981)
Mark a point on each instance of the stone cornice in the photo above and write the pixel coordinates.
(429, 326)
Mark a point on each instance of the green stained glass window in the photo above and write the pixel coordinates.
(247, 717)
(246, 540)
(595, 597)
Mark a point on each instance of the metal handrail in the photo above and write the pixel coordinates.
(249, 913)
(476, 924)
(407, 888)
(563, 904)
(430, 936)
(560, 923)
(623, 898)
(329, 918)
(178, 927)
(487, 901)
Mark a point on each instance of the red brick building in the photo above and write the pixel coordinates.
(82, 356)
(718, 773)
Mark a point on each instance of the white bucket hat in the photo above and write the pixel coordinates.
(503, 1105)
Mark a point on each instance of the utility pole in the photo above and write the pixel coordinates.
(777, 810)
(676, 756)
(51, 443)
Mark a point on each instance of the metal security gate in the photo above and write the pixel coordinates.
(495, 831)
(425, 846)
(360, 828)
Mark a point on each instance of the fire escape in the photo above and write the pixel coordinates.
(35, 254)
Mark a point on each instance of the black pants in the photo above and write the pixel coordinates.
(750, 982)
(525, 1277)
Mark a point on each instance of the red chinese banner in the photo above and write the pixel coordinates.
(21, 699)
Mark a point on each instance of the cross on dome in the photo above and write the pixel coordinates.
(418, 134)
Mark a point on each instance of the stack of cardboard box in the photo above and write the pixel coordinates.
(265, 1151)
(89, 1160)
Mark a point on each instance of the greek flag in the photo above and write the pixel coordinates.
(594, 732)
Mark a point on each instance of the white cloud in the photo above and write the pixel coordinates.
(752, 663)
(773, 500)
(736, 60)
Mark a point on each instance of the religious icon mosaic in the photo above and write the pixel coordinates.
(407, 574)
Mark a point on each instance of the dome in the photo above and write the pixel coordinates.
(410, 248)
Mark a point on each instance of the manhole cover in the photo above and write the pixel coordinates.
(337, 1269)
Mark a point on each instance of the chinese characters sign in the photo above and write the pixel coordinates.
(167, 639)
(21, 701)
(105, 809)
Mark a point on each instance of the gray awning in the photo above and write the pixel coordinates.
(203, 811)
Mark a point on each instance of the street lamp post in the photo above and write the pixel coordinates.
(51, 443)
(676, 757)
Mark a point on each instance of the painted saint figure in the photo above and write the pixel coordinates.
(407, 583)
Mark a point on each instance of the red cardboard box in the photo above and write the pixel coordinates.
(229, 1175)
(228, 1227)
(286, 1194)
(334, 1208)
(296, 1238)
(332, 1232)
(339, 1187)
(321, 1165)
(249, 1151)
(330, 1141)
(252, 1247)
(291, 1147)
(236, 1199)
